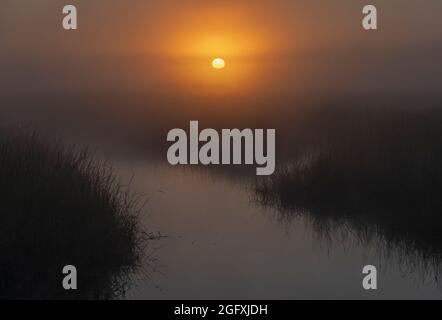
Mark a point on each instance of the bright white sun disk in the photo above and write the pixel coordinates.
(218, 63)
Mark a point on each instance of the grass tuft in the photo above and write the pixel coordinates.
(61, 207)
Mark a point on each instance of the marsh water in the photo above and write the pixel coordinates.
(358, 119)
(223, 245)
(218, 241)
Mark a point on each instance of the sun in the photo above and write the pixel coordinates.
(218, 63)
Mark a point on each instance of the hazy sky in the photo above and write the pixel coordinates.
(280, 45)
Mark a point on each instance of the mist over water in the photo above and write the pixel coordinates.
(236, 242)
(358, 136)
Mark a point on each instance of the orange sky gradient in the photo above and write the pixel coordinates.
(270, 47)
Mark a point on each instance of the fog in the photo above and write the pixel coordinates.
(281, 48)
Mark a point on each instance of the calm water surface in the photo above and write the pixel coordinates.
(223, 245)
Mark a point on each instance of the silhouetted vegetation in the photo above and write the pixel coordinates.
(60, 207)
(375, 172)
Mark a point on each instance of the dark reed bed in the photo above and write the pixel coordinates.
(371, 172)
(60, 207)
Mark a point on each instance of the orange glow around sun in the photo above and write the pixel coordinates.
(195, 42)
